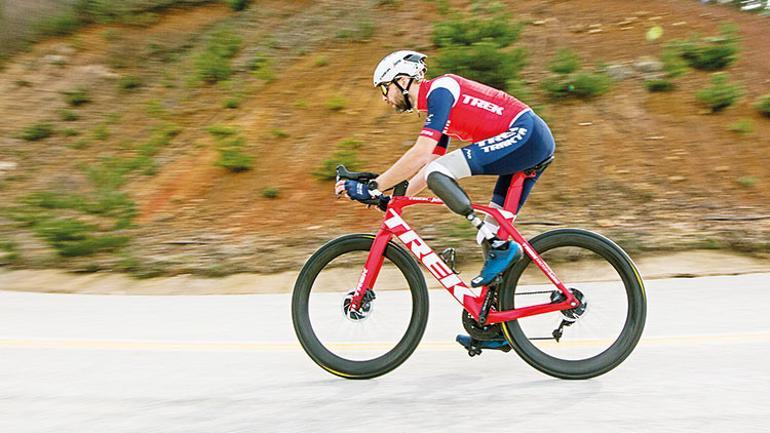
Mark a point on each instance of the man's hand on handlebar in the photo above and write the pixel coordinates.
(360, 191)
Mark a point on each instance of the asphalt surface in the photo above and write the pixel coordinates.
(211, 364)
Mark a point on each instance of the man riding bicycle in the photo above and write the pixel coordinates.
(506, 137)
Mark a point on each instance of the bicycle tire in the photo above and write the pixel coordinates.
(354, 369)
(635, 316)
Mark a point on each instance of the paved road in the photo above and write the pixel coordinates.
(215, 364)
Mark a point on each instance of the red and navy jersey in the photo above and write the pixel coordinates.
(464, 109)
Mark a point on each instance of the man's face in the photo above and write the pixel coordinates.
(393, 97)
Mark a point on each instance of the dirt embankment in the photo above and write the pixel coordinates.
(652, 171)
(682, 265)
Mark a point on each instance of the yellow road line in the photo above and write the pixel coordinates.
(254, 346)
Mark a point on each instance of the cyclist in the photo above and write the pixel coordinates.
(506, 136)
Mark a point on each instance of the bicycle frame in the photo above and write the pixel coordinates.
(394, 226)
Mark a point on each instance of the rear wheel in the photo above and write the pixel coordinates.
(383, 333)
(597, 336)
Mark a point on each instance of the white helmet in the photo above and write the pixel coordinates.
(400, 63)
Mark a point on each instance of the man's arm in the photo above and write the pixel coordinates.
(417, 183)
(417, 157)
(440, 101)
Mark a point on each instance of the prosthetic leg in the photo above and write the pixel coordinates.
(501, 253)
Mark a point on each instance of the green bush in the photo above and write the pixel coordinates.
(68, 116)
(712, 53)
(673, 63)
(742, 126)
(91, 245)
(224, 43)
(763, 105)
(58, 25)
(10, 249)
(70, 132)
(211, 68)
(232, 102)
(659, 85)
(481, 62)
(155, 108)
(721, 94)
(349, 144)
(321, 61)
(328, 168)
(229, 146)
(213, 64)
(232, 157)
(279, 133)
(51, 200)
(109, 174)
(129, 82)
(77, 97)
(141, 19)
(83, 143)
(363, 31)
(336, 103)
(237, 5)
(256, 63)
(37, 131)
(747, 181)
(581, 85)
(270, 192)
(497, 30)
(564, 62)
(345, 154)
(220, 131)
(71, 237)
(101, 133)
(111, 203)
(63, 230)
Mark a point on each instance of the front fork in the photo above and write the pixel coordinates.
(372, 268)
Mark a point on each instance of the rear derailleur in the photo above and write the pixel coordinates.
(570, 316)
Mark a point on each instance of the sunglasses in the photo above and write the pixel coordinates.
(384, 88)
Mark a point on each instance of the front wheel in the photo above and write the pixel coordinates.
(592, 339)
(383, 333)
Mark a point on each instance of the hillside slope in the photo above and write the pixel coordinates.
(652, 170)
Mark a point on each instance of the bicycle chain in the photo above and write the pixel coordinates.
(541, 292)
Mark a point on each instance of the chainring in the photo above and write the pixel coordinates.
(481, 333)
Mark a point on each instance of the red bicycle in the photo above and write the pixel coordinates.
(577, 325)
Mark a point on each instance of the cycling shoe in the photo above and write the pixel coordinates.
(497, 261)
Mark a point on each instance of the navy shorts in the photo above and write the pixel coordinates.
(525, 144)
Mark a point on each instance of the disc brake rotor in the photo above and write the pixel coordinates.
(363, 312)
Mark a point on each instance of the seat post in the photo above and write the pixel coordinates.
(513, 196)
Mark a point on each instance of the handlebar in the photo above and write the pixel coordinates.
(365, 176)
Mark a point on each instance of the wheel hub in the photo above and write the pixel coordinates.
(362, 313)
(571, 314)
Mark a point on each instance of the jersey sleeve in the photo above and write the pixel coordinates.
(440, 103)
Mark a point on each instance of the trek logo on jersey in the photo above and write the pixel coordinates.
(512, 136)
(485, 105)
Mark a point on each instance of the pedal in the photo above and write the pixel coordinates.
(470, 344)
(474, 346)
(449, 256)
